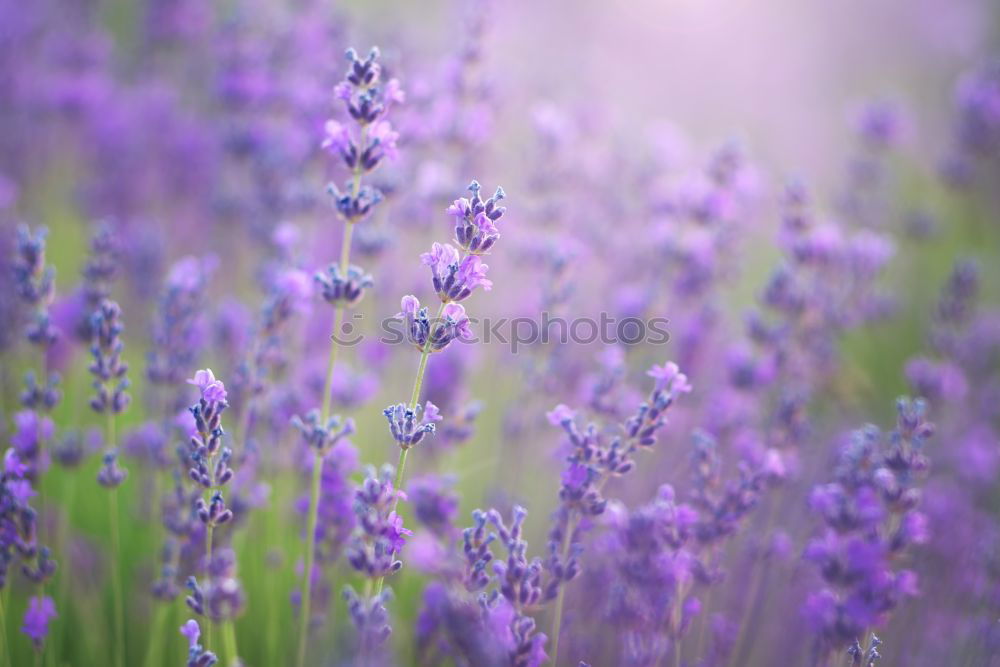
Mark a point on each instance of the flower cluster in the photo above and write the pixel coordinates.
(367, 101)
(433, 335)
(409, 426)
(209, 458)
(870, 518)
(198, 656)
(380, 534)
(108, 367)
(475, 220)
(220, 596)
(343, 290)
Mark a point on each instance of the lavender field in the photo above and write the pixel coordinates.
(653, 333)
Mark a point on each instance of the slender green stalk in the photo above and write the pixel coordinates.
(313, 517)
(418, 384)
(229, 640)
(310, 555)
(3, 629)
(116, 582)
(154, 654)
(561, 595)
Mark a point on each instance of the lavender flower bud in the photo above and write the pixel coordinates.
(343, 290)
(111, 474)
(407, 427)
(475, 220)
(108, 367)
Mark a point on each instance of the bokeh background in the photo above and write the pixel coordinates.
(194, 129)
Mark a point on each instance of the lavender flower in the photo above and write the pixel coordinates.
(40, 611)
(35, 284)
(475, 220)
(198, 656)
(210, 459)
(408, 427)
(179, 327)
(220, 596)
(323, 437)
(343, 290)
(870, 519)
(111, 474)
(367, 102)
(380, 533)
(433, 335)
(108, 367)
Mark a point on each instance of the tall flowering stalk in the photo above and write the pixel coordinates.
(111, 398)
(871, 517)
(454, 275)
(591, 463)
(211, 471)
(361, 147)
(34, 281)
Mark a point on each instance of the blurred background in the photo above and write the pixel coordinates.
(652, 153)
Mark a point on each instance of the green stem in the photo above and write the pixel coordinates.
(313, 517)
(116, 583)
(229, 639)
(310, 555)
(3, 630)
(154, 654)
(561, 596)
(418, 384)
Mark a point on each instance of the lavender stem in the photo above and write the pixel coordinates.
(345, 257)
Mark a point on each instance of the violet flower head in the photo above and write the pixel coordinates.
(35, 284)
(433, 335)
(862, 658)
(220, 597)
(198, 656)
(108, 367)
(31, 431)
(343, 290)
(208, 457)
(475, 220)
(370, 619)
(34, 280)
(363, 149)
(379, 534)
(408, 427)
(179, 328)
(212, 391)
(455, 278)
(40, 611)
(111, 474)
(870, 518)
(323, 437)
(435, 504)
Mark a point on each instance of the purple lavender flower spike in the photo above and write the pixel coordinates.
(198, 656)
(343, 290)
(455, 278)
(108, 367)
(111, 474)
(34, 281)
(220, 597)
(408, 427)
(475, 220)
(209, 458)
(40, 611)
(871, 517)
(367, 102)
(436, 335)
(380, 533)
(323, 437)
